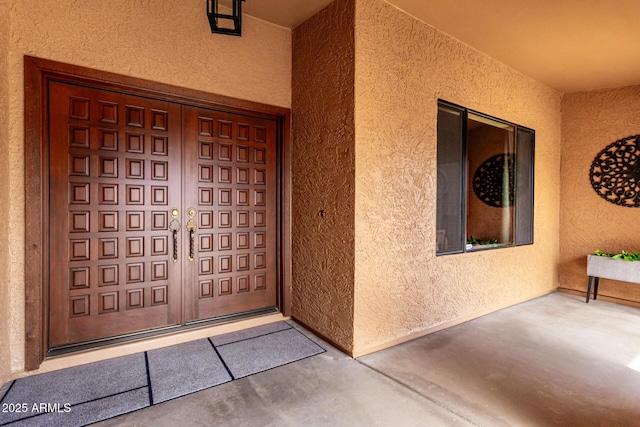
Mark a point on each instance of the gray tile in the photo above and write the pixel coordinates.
(91, 412)
(258, 354)
(184, 368)
(249, 333)
(78, 384)
(4, 389)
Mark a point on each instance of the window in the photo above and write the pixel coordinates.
(485, 182)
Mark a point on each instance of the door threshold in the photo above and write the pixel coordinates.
(135, 336)
(178, 335)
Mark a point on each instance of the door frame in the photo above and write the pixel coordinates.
(37, 73)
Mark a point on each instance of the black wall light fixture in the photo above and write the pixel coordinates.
(222, 23)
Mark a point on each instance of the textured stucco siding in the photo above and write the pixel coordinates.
(5, 312)
(323, 172)
(403, 67)
(591, 121)
(167, 41)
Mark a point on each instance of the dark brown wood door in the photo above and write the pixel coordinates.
(119, 165)
(115, 174)
(230, 181)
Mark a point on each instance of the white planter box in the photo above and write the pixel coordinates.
(609, 268)
(615, 269)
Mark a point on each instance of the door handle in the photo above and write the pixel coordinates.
(174, 226)
(191, 228)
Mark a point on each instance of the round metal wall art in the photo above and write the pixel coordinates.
(488, 180)
(615, 172)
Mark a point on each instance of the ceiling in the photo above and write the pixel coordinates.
(570, 45)
(286, 13)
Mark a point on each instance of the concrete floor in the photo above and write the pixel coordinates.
(553, 361)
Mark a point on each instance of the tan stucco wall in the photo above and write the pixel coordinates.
(323, 172)
(592, 121)
(167, 41)
(401, 288)
(5, 358)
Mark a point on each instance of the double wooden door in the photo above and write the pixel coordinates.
(160, 214)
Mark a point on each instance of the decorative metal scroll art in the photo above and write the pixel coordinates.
(490, 179)
(615, 172)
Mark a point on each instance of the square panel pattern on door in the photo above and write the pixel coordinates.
(121, 167)
(115, 187)
(118, 165)
(236, 199)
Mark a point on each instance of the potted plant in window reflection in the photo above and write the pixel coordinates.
(473, 242)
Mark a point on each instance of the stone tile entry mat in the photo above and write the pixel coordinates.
(97, 391)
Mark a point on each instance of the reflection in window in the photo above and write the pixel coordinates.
(485, 182)
(490, 156)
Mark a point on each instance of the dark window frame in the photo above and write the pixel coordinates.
(523, 216)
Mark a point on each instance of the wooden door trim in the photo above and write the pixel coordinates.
(37, 73)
